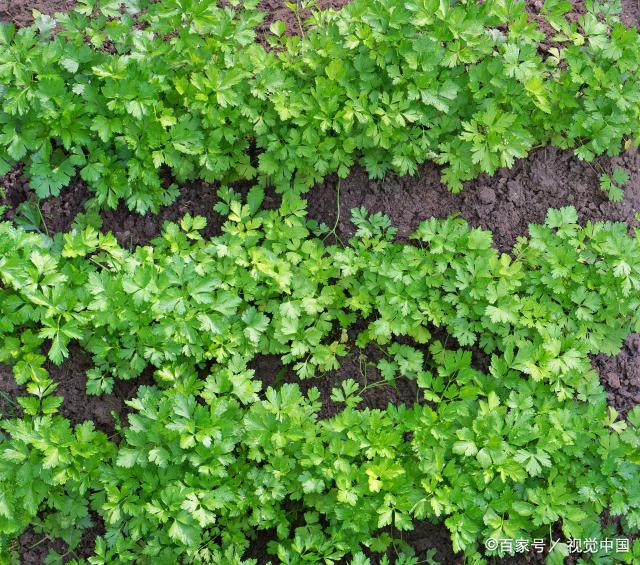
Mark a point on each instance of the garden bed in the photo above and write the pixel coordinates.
(505, 204)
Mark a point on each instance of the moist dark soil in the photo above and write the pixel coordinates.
(631, 12)
(620, 375)
(20, 12)
(359, 365)
(197, 199)
(77, 406)
(278, 10)
(426, 539)
(57, 213)
(9, 393)
(505, 204)
(129, 228)
(34, 547)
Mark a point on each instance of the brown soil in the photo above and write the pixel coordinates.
(131, 229)
(20, 11)
(77, 406)
(278, 10)
(631, 12)
(505, 204)
(358, 364)
(620, 375)
(9, 393)
(34, 546)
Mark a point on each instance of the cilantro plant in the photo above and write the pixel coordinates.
(135, 105)
(209, 455)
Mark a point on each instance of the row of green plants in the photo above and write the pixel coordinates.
(209, 457)
(140, 99)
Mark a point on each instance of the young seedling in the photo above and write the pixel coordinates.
(299, 8)
(612, 185)
(29, 217)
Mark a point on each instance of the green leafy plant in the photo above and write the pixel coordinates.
(182, 91)
(613, 184)
(208, 455)
(132, 96)
(29, 216)
(299, 7)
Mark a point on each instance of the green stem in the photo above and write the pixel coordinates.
(334, 231)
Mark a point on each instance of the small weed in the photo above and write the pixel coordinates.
(612, 185)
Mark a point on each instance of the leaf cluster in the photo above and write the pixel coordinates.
(138, 101)
(210, 455)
